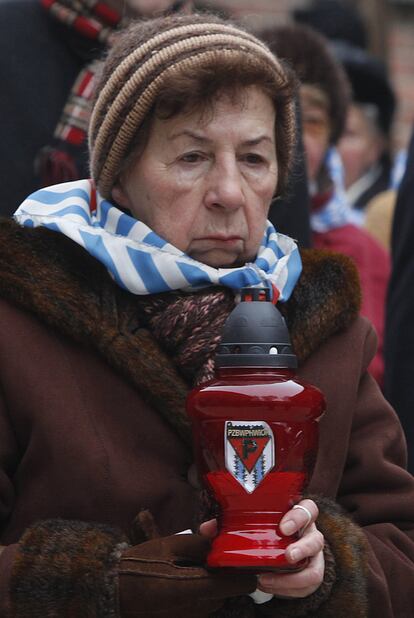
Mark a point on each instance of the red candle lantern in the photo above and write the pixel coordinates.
(255, 430)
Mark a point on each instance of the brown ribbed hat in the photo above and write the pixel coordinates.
(147, 56)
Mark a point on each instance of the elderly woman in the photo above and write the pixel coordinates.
(112, 306)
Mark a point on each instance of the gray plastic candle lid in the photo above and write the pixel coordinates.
(255, 334)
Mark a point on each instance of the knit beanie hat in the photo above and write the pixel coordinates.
(169, 64)
(309, 54)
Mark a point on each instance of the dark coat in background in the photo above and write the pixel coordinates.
(92, 428)
(39, 61)
(291, 214)
(399, 331)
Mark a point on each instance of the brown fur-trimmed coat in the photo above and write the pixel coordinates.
(92, 429)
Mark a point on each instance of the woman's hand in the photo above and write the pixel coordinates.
(310, 545)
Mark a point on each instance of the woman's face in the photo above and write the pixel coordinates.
(205, 181)
(360, 146)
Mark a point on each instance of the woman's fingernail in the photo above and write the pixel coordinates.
(288, 527)
(295, 555)
(265, 580)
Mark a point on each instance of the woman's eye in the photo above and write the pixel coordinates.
(253, 159)
(192, 157)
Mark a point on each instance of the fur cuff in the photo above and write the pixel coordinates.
(67, 569)
(350, 549)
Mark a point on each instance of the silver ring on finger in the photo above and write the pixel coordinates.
(308, 513)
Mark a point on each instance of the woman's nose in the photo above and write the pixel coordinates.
(225, 187)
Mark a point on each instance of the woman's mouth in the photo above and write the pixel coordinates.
(220, 239)
(218, 250)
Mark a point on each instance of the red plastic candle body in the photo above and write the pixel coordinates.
(255, 434)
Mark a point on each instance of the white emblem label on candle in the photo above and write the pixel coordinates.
(249, 448)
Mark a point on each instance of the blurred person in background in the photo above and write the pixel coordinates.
(371, 172)
(335, 19)
(365, 146)
(324, 98)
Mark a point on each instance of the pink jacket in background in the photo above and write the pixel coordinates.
(374, 267)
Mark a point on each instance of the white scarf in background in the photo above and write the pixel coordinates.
(337, 212)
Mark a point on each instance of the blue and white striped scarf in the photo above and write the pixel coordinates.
(142, 262)
(337, 212)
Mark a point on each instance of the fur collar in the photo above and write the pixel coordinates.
(50, 276)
